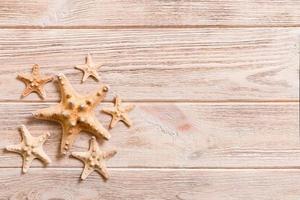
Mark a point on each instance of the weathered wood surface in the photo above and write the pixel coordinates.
(151, 184)
(176, 135)
(160, 64)
(149, 13)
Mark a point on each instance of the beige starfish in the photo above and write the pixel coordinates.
(75, 113)
(89, 69)
(30, 148)
(94, 160)
(119, 113)
(34, 82)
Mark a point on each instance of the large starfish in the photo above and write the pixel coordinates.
(119, 113)
(89, 69)
(34, 82)
(75, 113)
(94, 160)
(30, 148)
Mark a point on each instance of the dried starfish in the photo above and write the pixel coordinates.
(94, 160)
(89, 69)
(119, 113)
(34, 82)
(75, 113)
(30, 148)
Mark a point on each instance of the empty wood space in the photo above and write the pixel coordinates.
(150, 183)
(107, 13)
(215, 84)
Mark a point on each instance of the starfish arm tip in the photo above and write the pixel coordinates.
(48, 161)
(22, 127)
(10, 148)
(107, 136)
(110, 154)
(24, 170)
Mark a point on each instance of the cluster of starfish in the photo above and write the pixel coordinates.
(75, 113)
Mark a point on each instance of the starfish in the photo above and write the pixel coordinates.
(34, 82)
(75, 113)
(30, 148)
(94, 160)
(89, 69)
(119, 113)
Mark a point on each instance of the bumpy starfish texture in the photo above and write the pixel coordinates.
(30, 148)
(89, 69)
(34, 82)
(119, 113)
(94, 160)
(75, 113)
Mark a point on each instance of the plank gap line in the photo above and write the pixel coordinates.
(167, 101)
(150, 27)
(296, 168)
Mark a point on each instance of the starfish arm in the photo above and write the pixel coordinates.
(83, 156)
(118, 101)
(95, 75)
(46, 79)
(114, 121)
(52, 113)
(27, 160)
(15, 148)
(96, 97)
(36, 70)
(110, 111)
(126, 120)
(94, 145)
(68, 137)
(86, 172)
(24, 77)
(94, 126)
(65, 86)
(85, 76)
(27, 91)
(103, 171)
(89, 60)
(97, 66)
(42, 139)
(40, 154)
(129, 107)
(26, 136)
(109, 154)
(80, 67)
(41, 92)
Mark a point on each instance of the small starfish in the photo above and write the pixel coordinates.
(94, 160)
(89, 69)
(119, 113)
(30, 148)
(75, 113)
(34, 82)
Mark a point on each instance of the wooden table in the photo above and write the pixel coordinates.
(216, 88)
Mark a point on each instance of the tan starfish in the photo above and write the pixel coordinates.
(75, 113)
(89, 69)
(30, 148)
(94, 160)
(34, 82)
(119, 113)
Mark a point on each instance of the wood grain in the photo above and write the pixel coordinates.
(151, 184)
(176, 135)
(88, 13)
(160, 64)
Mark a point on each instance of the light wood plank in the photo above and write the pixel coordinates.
(176, 135)
(161, 64)
(151, 184)
(150, 13)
